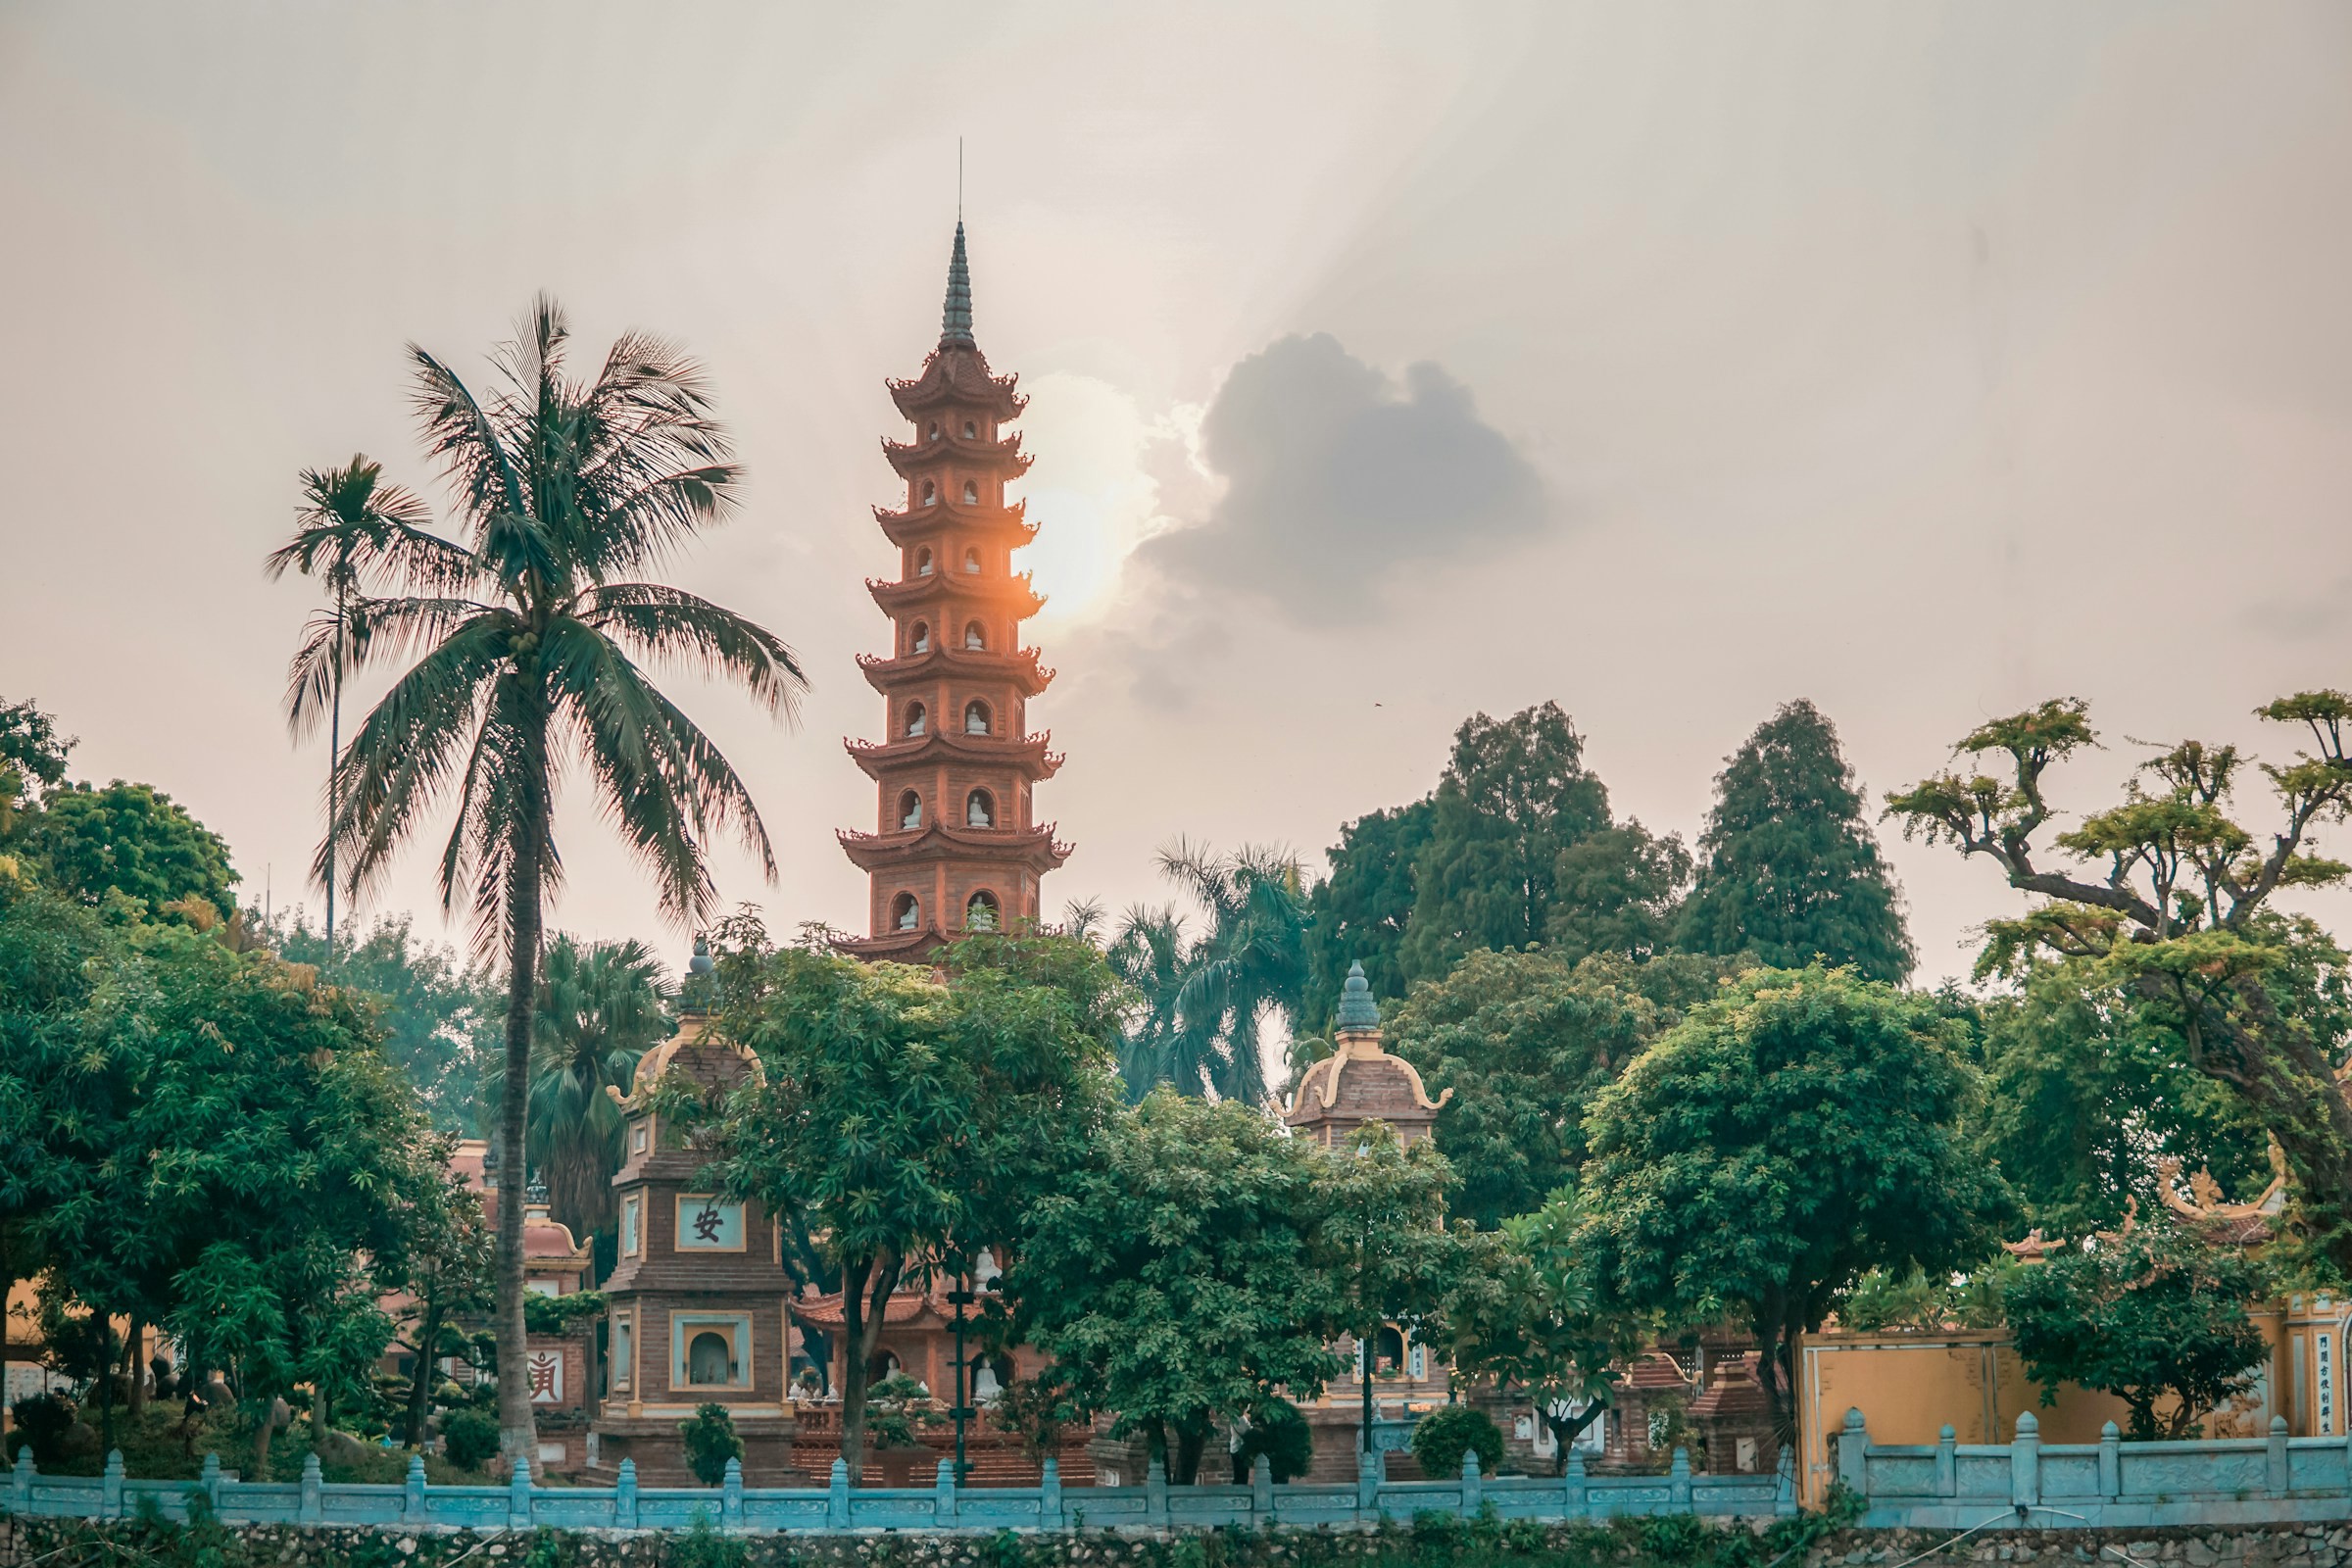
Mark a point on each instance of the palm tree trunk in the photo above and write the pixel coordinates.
(518, 1434)
(335, 783)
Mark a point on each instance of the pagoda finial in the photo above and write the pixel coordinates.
(956, 321)
(1359, 1013)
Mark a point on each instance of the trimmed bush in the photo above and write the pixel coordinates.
(469, 1437)
(711, 1442)
(1441, 1437)
(1279, 1432)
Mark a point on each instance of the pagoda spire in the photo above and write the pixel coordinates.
(955, 321)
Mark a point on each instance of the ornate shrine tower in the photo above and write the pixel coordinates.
(956, 848)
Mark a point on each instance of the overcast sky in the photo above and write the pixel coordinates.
(1389, 364)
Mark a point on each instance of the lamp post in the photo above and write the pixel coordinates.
(960, 1298)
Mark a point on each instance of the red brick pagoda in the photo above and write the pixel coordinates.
(955, 848)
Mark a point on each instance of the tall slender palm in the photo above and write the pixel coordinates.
(601, 1006)
(1148, 952)
(350, 522)
(530, 631)
(1250, 962)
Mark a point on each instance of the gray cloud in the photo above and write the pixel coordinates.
(1336, 478)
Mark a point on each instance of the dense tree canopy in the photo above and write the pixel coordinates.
(32, 760)
(1361, 910)
(1778, 1141)
(1525, 1039)
(130, 839)
(2156, 1317)
(1171, 1278)
(1789, 871)
(2168, 901)
(905, 1124)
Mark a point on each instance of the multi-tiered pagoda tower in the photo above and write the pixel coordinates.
(956, 846)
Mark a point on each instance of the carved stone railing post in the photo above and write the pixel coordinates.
(518, 1496)
(1576, 1493)
(1474, 1486)
(1370, 1471)
(837, 1499)
(2275, 1470)
(1677, 1479)
(943, 1503)
(1049, 1495)
(1948, 1462)
(25, 1470)
(625, 1497)
(1853, 1450)
(110, 1486)
(412, 1496)
(313, 1506)
(2024, 1463)
(1261, 1491)
(1156, 1493)
(2111, 1462)
(209, 1479)
(730, 1496)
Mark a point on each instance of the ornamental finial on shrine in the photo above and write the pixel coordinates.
(1359, 1013)
(956, 321)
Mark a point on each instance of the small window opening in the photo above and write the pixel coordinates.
(905, 912)
(975, 718)
(930, 492)
(971, 493)
(971, 561)
(975, 636)
(709, 1360)
(921, 643)
(980, 914)
(922, 563)
(971, 432)
(979, 811)
(934, 431)
(916, 720)
(910, 811)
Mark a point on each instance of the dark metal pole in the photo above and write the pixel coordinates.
(961, 1409)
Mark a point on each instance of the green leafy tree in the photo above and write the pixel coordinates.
(450, 1275)
(1789, 871)
(1442, 1438)
(710, 1441)
(2156, 1317)
(1359, 912)
(1525, 1312)
(906, 1123)
(1380, 1239)
(1514, 796)
(439, 1018)
(350, 522)
(2086, 1093)
(33, 760)
(1781, 1140)
(2166, 898)
(1525, 1040)
(130, 839)
(534, 640)
(1169, 1276)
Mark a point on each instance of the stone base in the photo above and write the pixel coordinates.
(660, 1453)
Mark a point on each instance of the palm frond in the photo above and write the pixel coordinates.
(670, 624)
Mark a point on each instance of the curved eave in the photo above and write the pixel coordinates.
(1027, 755)
(896, 947)
(887, 676)
(957, 376)
(1034, 849)
(1014, 593)
(1004, 458)
(914, 525)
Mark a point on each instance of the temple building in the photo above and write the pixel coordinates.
(957, 846)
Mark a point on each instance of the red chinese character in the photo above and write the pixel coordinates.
(543, 1367)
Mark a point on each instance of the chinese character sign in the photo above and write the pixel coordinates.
(707, 1225)
(546, 1369)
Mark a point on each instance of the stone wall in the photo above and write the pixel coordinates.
(24, 1543)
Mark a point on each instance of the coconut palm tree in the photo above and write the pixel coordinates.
(350, 522)
(532, 632)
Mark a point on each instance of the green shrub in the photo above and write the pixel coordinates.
(711, 1442)
(703, 1546)
(42, 1422)
(469, 1437)
(1441, 1437)
(1279, 1432)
